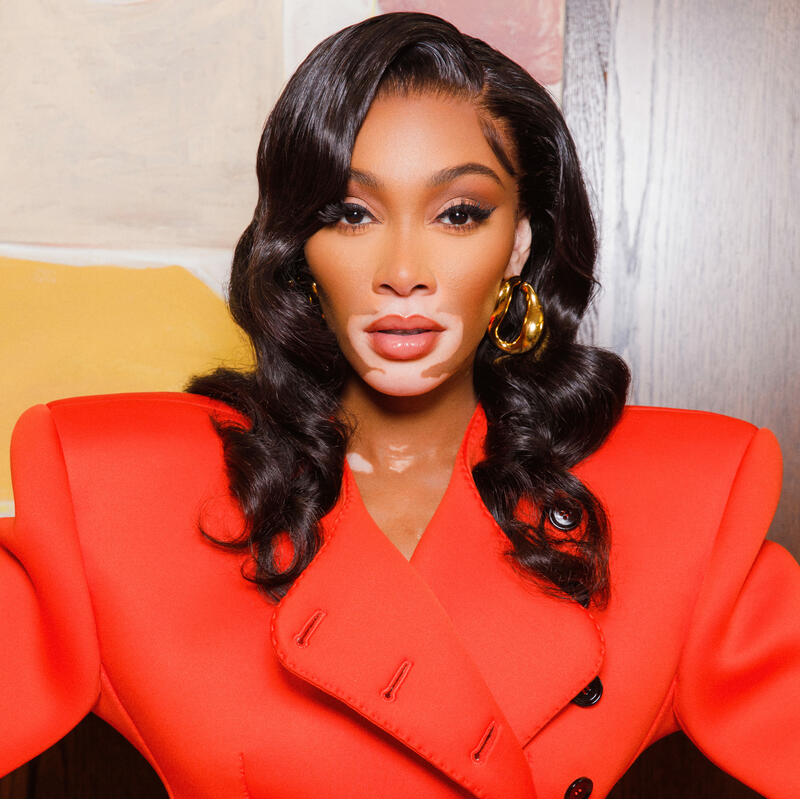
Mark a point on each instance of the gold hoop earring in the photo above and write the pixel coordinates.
(532, 325)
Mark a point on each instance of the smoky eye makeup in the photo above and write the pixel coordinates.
(465, 214)
(461, 216)
(348, 215)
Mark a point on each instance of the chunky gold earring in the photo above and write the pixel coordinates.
(532, 325)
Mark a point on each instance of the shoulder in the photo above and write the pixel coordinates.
(148, 419)
(642, 427)
(681, 444)
(145, 410)
(671, 480)
(126, 445)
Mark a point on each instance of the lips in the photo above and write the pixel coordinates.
(403, 338)
(403, 325)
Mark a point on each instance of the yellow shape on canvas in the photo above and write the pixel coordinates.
(67, 331)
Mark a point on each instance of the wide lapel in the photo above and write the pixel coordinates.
(535, 652)
(362, 625)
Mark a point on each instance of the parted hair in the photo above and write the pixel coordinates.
(546, 409)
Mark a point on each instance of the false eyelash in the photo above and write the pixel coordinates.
(478, 212)
(333, 212)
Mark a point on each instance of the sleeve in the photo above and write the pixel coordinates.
(737, 692)
(49, 656)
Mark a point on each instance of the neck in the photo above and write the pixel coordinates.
(396, 432)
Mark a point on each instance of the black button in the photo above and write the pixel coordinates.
(590, 695)
(564, 519)
(581, 787)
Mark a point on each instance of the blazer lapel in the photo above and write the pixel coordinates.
(362, 625)
(455, 654)
(535, 652)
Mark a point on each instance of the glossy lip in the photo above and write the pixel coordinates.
(403, 338)
(394, 322)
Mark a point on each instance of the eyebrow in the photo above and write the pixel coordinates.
(439, 178)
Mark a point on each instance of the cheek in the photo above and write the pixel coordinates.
(473, 285)
(454, 358)
(338, 279)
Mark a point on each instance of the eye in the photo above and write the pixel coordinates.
(464, 215)
(354, 214)
(346, 216)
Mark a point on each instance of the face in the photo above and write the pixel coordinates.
(408, 273)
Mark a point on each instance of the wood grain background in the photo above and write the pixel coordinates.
(685, 116)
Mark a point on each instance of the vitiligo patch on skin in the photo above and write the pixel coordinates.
(358, 463)
(399, 459)
(407, 377)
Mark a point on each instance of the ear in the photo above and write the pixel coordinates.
(522, 248)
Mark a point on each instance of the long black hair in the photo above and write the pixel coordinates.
(546, 410)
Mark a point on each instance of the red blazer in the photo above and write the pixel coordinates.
(375, 676)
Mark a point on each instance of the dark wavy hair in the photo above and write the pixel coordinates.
(546, 410)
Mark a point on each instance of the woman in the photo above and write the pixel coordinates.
(477, 575)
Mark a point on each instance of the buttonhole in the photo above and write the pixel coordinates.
(390, 692)
(481, 752)
(301, 640)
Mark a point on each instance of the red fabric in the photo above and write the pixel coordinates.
(445, 676)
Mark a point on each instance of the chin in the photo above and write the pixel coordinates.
(402, 385)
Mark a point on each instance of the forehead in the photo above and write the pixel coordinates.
(406, 138)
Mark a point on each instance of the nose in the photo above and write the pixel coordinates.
(404, 267)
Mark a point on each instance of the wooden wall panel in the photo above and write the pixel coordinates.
(700, 186)
(92, 760)
(685, 116)
(587, 34)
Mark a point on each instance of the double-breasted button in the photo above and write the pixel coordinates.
(590, 694)
(564, 519)
(580, 787)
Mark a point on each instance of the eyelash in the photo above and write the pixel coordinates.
(333, 215)
(475, 211)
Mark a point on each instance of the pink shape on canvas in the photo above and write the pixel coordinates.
(529, 31)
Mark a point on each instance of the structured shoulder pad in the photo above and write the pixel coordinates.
(684, 428)
(666, 477)
(666, 442)
(135, 456)
(180, 405)
(140, 430)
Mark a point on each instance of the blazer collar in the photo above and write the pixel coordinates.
(453, 653)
